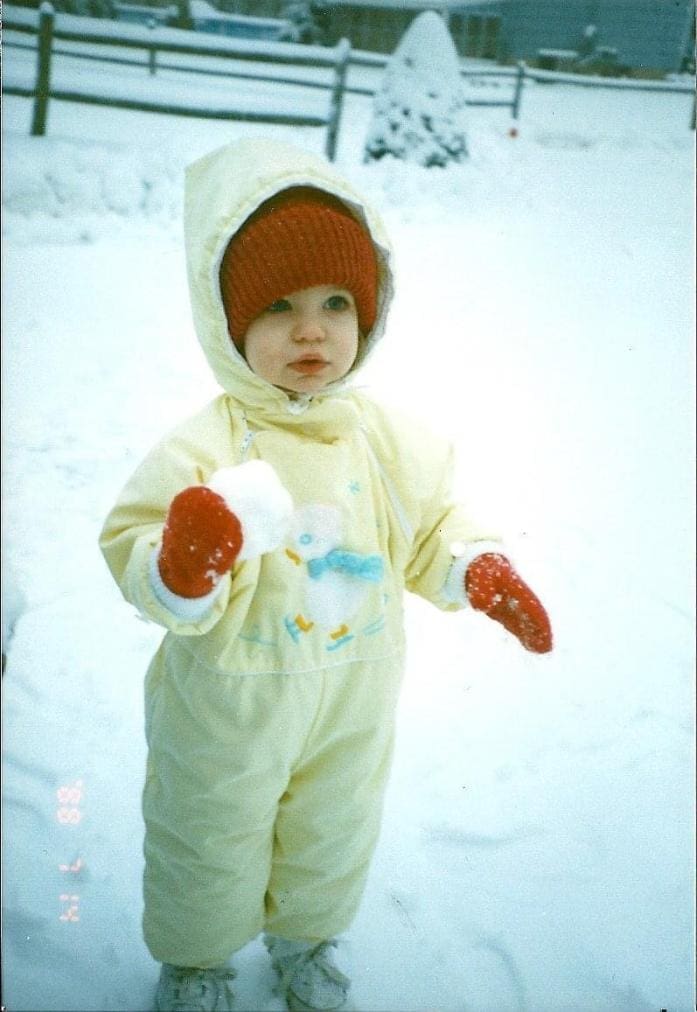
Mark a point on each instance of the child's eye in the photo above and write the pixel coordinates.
(279, 306)
(337, 302)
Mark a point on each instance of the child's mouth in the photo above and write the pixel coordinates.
(308, 366)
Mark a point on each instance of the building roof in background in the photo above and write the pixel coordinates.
(204, 9)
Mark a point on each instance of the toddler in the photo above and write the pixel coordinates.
(272, 535)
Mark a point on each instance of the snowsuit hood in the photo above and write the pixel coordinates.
(221, 191)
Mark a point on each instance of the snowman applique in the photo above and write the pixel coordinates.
(338, 580)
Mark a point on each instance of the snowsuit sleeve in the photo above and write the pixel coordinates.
(133, 529)
(446, 533)
(438, 532)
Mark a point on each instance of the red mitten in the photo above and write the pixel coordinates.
(200, 542)
(493, 586)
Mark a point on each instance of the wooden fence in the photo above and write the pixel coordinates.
(155, 40)
(50, 27)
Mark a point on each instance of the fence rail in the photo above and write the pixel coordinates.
(591, 81)
(354, 59)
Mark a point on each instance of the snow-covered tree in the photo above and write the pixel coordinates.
(419, 109)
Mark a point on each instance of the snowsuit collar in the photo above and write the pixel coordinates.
(222, 190)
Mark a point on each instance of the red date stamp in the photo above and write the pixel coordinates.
(69, 813)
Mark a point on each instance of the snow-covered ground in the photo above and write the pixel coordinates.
(537, 848)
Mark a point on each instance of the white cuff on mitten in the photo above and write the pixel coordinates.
(463, 553)
(263, 506)
(188, 609)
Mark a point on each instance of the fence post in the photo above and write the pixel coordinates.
(152, 52)
(518, 94)
(42, 87)
(343, 51)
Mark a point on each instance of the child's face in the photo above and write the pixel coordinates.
(305, 340)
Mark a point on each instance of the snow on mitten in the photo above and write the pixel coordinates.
(493, 586)
(242, 512)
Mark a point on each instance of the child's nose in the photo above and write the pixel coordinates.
(308, 327)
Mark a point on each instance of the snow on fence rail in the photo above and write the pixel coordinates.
(49, 26)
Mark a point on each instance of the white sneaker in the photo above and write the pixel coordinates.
(188, 989)
(309, 980)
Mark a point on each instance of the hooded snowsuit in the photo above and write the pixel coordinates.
(270, 718)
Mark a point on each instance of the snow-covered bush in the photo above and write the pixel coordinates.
(419, 109)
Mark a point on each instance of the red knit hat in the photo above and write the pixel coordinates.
(299, 238)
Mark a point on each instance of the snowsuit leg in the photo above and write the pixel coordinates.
(329, 817)
(220, 750)
(255, 783)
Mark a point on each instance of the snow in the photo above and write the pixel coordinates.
(202, 9)
(537, 847)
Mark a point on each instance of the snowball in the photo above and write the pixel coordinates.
(419, 110)
(254, 493)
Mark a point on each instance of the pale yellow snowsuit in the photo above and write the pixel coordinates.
(270, 720)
